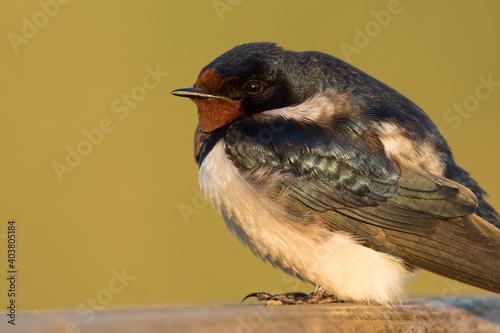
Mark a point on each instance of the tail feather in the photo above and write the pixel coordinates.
(451, 253)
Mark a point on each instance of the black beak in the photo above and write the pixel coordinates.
(193, 92)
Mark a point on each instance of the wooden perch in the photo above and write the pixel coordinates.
(449, 315)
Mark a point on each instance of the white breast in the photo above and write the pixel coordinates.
(335, 261)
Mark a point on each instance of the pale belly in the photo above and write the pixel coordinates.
(332, 260)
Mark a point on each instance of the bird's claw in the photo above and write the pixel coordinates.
(316, 297)
(262, 296)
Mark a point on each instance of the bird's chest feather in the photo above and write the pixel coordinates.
(300, 247)
(257, 220)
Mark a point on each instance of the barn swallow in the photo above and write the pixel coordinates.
(336, 178)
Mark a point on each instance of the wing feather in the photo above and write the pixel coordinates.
(343, 176)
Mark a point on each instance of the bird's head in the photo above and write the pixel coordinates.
(247, 79)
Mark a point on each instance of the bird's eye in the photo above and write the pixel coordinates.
(253, 87)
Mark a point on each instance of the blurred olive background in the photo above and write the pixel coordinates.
(132, 205)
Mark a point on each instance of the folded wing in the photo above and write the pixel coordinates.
(341, 174)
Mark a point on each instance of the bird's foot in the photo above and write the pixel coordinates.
(318, 296)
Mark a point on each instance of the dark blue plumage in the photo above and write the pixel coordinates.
(346, 153)
(296, 76)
